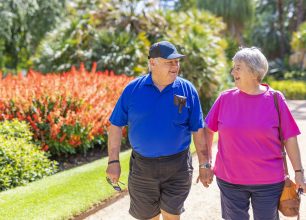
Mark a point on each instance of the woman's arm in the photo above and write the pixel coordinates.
(294, 155)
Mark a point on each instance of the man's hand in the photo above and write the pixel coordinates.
(205, 176)
(203, 143)
(113, 172)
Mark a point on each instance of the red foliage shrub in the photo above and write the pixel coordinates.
(66, 111)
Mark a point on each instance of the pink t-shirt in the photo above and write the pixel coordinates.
(249, 149)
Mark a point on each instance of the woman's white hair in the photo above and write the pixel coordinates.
(254, 59)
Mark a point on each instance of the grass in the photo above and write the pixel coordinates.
(63, 195)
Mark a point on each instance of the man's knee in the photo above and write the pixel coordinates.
(168, 216)
(156, 217)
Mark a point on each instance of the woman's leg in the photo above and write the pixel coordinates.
(265, 200)
(235, 201)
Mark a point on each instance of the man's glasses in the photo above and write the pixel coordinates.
(115, 185)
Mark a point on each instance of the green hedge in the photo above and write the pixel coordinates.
(298, 42)
(119, 40)
(20, 160)
(291, 89)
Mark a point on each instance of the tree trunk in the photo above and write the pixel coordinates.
(280, 6)
(300, 12)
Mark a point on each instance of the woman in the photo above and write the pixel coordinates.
(249, 165)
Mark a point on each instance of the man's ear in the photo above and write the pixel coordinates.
(152, 62)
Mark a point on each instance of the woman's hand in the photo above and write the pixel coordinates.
(300, 181)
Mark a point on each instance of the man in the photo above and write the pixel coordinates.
(161, 110)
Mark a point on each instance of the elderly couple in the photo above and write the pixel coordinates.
(162, 110)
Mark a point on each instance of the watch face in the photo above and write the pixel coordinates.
(208, 165)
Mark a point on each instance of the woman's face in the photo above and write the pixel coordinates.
(243, 76)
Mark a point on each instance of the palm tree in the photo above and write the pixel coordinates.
(300, 12)
(280, 6)
(236, 14)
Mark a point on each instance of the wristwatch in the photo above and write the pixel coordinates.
(205, 165)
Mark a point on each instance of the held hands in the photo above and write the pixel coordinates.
(113, 171)
(206, 176)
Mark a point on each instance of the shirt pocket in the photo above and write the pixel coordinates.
(181, 118)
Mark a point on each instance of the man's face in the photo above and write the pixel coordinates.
(165, 69)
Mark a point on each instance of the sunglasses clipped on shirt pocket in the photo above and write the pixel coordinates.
(182, 109)
(180, 101)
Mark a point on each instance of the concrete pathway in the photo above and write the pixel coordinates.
(204, 203)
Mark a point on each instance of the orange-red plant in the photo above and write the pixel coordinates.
(66, 111)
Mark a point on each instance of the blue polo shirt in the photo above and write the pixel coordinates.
(156, 125)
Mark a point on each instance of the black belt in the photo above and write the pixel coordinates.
(173, 156)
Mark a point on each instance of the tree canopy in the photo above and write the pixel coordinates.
(23, 23)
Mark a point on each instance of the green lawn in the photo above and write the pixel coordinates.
(62, 195)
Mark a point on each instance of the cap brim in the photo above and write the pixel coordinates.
(175, 56)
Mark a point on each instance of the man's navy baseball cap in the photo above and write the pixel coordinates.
(164, 49)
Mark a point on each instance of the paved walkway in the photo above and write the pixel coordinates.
(202, 203)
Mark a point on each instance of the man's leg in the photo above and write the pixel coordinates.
(175, 185)
(144, 190)
(156, 217)
(168, 216)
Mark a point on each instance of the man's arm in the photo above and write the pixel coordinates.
(204, 156)
(294, 155)
(200, 142)
(114, 144)
(209, 140)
